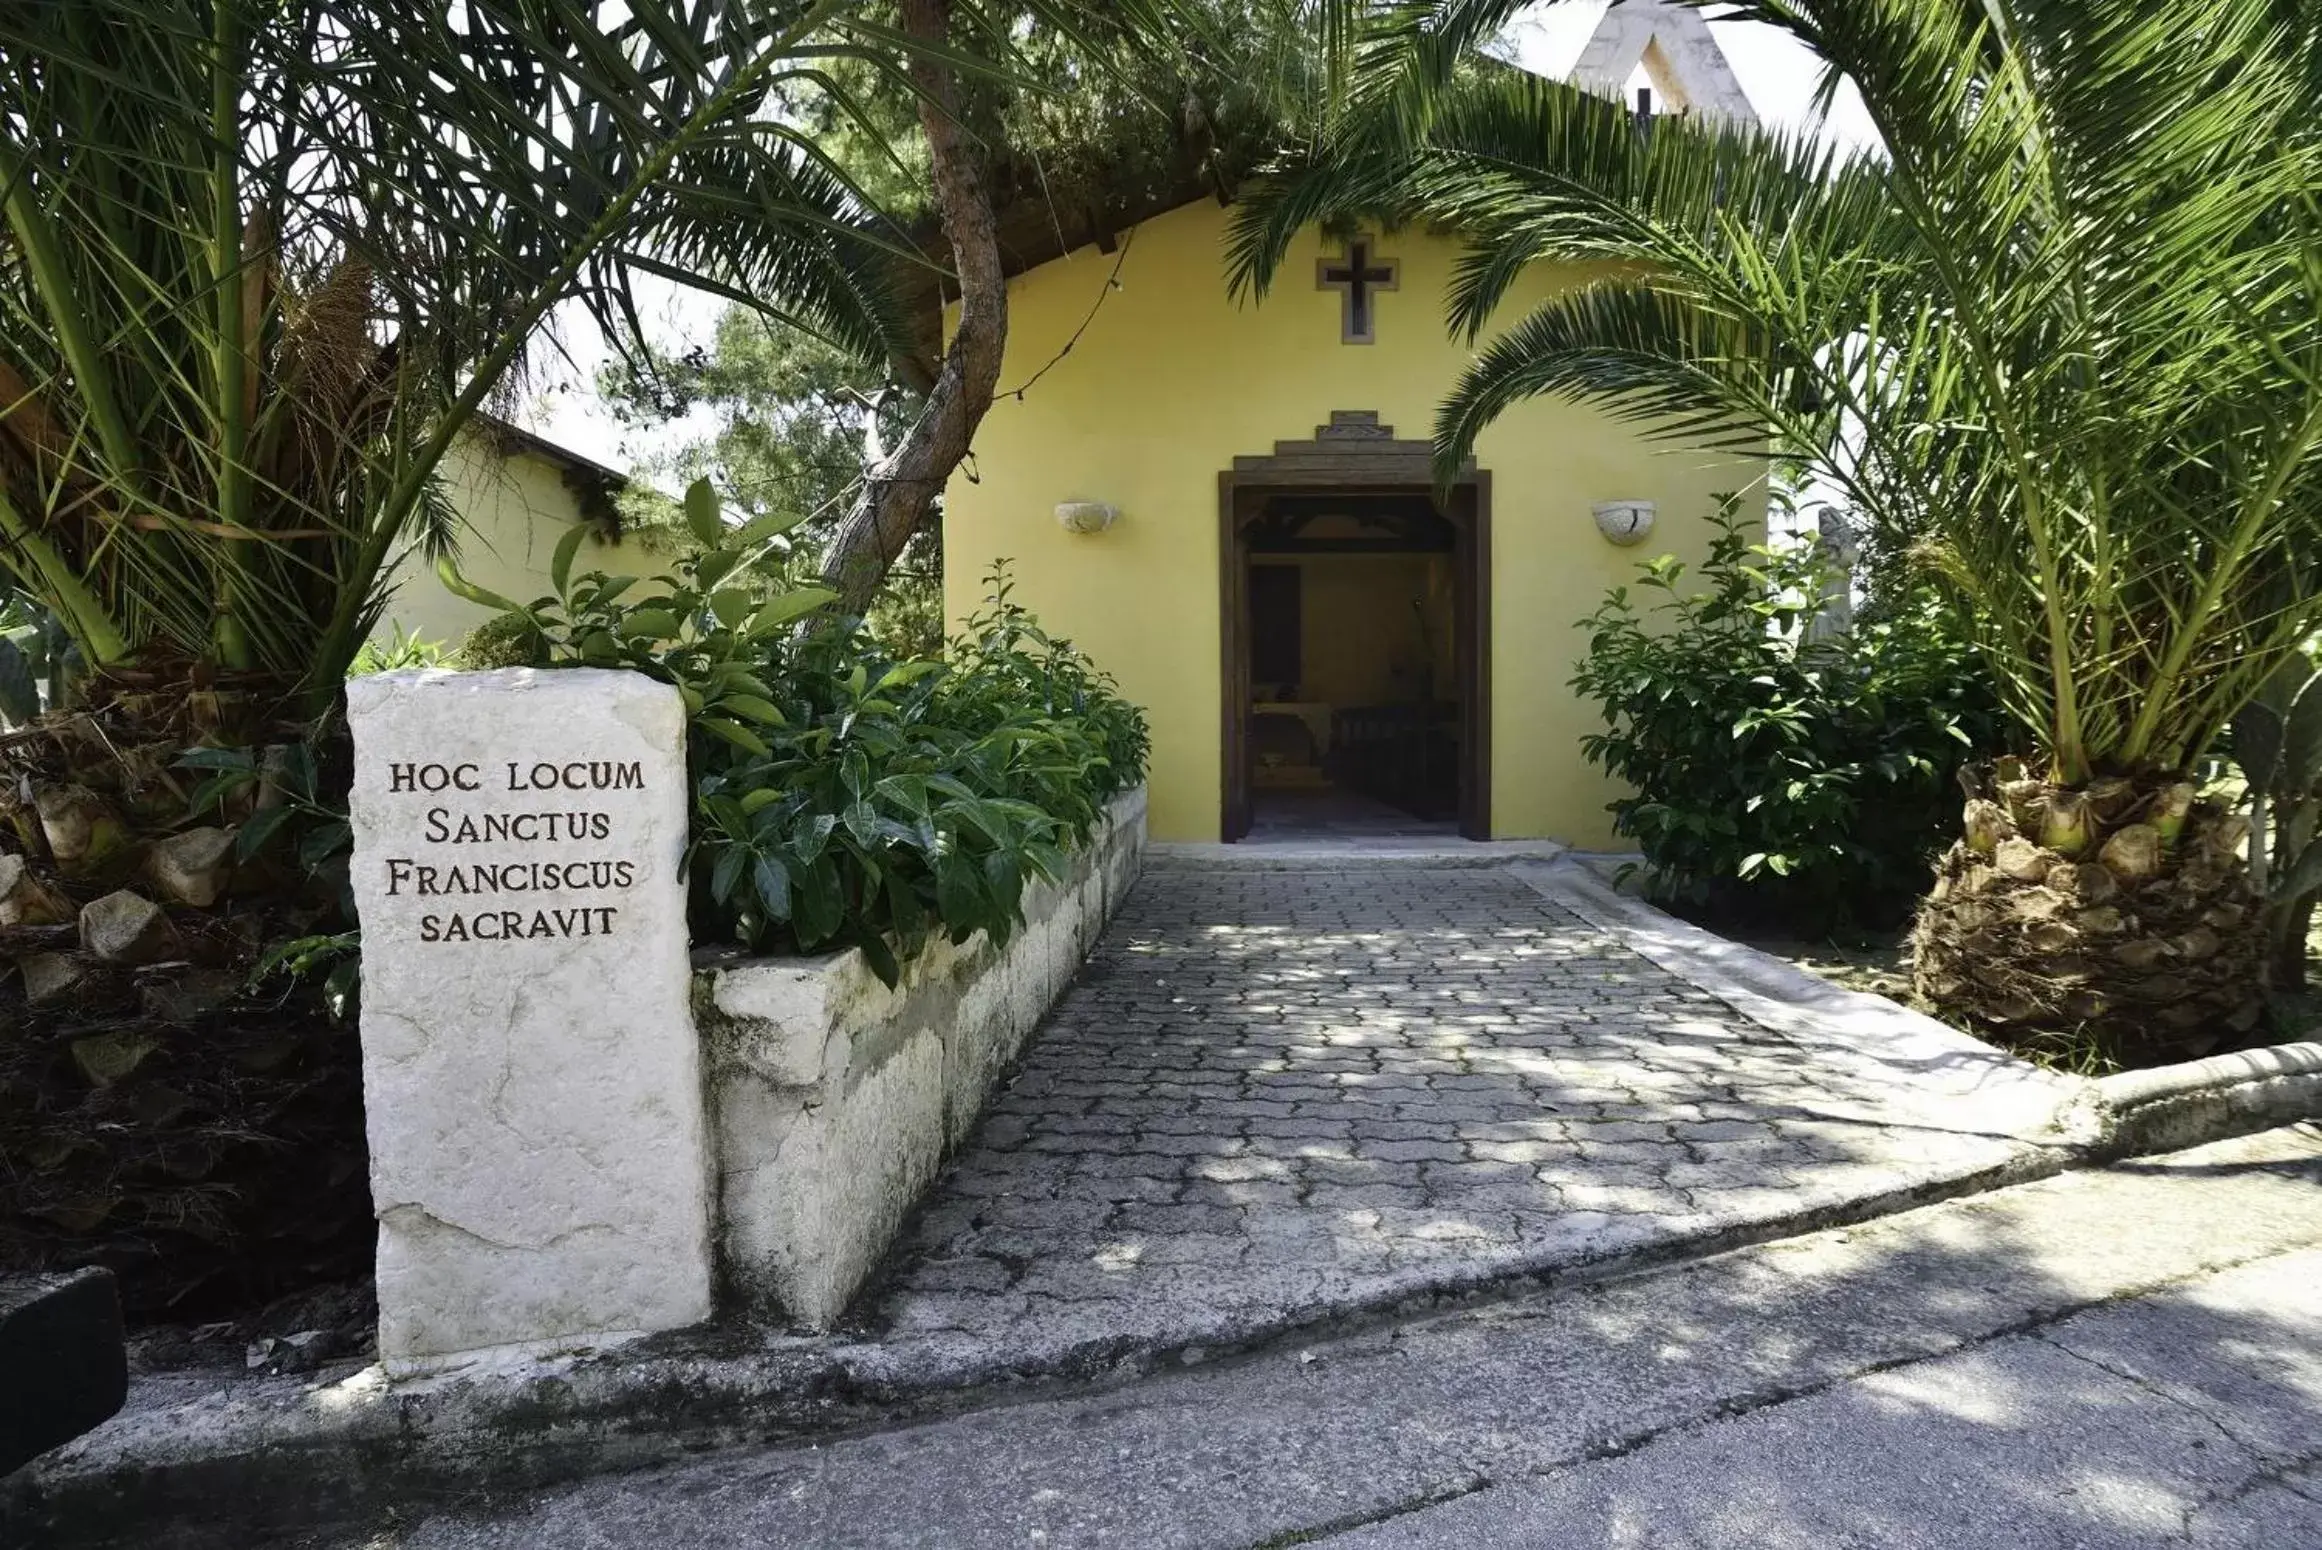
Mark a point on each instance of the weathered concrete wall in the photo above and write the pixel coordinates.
(833, 1099)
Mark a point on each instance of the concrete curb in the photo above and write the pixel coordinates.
(2130, 1114)
(1884, 1040)
(2169, 1108)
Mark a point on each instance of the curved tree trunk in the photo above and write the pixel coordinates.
(898, 491)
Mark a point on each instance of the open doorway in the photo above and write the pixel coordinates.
(1355, 663)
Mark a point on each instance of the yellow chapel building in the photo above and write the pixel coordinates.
(1229, 506)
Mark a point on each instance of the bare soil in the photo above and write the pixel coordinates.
(297, 1333)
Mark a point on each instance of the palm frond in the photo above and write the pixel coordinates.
(2063, 339)
(265, 260)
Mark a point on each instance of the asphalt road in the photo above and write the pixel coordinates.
(2190, 1417)
(2125, 1357)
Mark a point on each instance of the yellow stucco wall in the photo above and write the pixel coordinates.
(516, 508)
(1171, 381)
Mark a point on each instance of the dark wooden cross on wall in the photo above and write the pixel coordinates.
(1356, 280)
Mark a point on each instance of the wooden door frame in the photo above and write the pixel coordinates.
(1355, 455)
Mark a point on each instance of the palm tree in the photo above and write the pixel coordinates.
(266, 258)
(260, 263)
(2063, 339)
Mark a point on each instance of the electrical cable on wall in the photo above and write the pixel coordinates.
(1112, 284)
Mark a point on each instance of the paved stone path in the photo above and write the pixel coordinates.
(1318, 1090)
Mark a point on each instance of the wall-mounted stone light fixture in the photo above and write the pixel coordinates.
(1624, 522)
(1087, 516)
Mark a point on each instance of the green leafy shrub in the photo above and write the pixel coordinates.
(842, 796)
(899, 798)
(397, 653)
(1809, 780)
(504, 640)
(1005, 663)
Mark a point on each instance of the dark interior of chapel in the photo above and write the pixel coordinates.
(1354, 712)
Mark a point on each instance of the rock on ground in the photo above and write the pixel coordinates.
(125, 927)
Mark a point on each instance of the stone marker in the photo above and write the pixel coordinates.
(530, 1071)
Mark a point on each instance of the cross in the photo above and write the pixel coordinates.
(1355, 280)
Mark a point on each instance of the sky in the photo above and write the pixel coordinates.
(1778, 74)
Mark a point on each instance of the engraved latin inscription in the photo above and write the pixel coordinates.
(539, 805)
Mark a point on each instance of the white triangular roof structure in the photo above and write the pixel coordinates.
(1673, 43)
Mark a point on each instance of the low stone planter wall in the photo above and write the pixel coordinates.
(833, 1099)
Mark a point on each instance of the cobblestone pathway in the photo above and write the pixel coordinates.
(1275, 1090)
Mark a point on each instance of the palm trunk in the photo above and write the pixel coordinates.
(2117, 916)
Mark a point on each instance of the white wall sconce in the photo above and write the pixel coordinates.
(1087, 516)
(1624, 522)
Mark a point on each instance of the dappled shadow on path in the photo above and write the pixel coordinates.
(1928, 1379)
(2052, 1366)
(1279, 1095)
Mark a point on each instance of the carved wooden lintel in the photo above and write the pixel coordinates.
(1354, 448)
(1354, 425)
